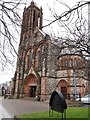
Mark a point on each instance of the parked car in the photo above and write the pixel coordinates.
(85, 99)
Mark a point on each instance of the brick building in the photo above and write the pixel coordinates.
(41, 68)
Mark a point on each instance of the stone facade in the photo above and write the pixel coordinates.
(71, 68)
(40, 69)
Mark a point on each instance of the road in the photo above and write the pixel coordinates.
(11, 107)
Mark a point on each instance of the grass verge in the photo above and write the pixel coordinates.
(71, 112)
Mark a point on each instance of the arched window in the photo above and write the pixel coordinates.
(66, 64)
(61, 64)
(27, 62)
(71, 63)
(75, 62)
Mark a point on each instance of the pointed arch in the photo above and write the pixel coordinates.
(30, 85)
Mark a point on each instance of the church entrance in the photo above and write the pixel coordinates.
(64, 91)
(30, 85)
(62, 86)
(32, 91)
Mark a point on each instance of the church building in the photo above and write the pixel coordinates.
(41, 66)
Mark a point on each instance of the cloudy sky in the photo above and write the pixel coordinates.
(46, 4)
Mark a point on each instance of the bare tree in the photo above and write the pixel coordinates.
(10, 21)
(74, 24)
(72, 30)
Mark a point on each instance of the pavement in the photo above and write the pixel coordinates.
(3, 112)
(12, 107)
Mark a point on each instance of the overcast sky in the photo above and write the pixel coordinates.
(46, 4)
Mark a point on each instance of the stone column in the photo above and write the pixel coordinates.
(43, 88)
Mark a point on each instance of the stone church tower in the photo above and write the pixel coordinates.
(35, 72)
(32, 18)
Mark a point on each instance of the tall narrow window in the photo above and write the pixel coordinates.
(66, 64)
(71, 63)
(38, 21)
(39, 60)
(26, 62)
(30, 58)
(61, 64)
(34, 21)
(75, 62)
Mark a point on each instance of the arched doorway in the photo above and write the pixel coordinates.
(30, 85)
(62, 86)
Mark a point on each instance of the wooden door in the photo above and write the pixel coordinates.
(32, 91)
(64, 91)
